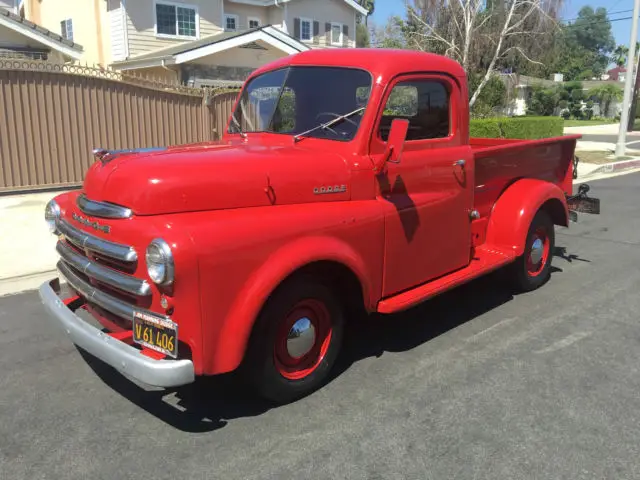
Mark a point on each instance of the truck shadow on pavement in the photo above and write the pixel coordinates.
(210, 403)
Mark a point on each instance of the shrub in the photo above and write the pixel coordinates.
(566, 114)
(543, 101)
(492, 98)
(486, 128)
(576, 111)
(588, 113)
(517, 127)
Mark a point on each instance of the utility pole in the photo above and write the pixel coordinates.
(634, 98)
(628, 81)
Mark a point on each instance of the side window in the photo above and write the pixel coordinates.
(425, 103)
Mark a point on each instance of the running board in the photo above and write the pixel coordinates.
(486, 259)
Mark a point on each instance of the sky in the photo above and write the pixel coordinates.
(621, 29)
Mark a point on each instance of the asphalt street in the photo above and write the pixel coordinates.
(476, 384)
(633, 139)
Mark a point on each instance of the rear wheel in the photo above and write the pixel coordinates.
(533, 268)
(295, 341)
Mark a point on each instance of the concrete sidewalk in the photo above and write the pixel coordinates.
(27, 249)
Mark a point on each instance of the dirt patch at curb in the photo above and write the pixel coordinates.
(599, 158)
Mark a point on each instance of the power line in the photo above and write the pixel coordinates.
(608, 13)
(608, 20)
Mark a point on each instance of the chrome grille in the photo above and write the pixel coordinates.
(110, 287)
(118, 280)
(84, 240)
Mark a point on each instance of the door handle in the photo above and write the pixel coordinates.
(459, 163)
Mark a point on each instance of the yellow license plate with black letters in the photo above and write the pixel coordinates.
(156, 332)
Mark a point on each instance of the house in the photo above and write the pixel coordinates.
(617, 74)
(22, 39)
(520, 89)
(197, 41)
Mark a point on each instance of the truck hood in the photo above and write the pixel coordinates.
(218, 176)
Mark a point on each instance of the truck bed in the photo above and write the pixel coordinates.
(499, 162)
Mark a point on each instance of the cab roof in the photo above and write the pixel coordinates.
(386, 63)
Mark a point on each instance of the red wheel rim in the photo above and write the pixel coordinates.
(538, 252)
(312, 318)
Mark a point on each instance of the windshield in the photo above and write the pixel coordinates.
(295, 100)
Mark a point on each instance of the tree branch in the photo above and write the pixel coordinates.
(496, 55)
(521, 53)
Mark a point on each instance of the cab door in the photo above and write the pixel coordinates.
(427, 197)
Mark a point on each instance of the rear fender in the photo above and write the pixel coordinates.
(514, 210)
(237, 326)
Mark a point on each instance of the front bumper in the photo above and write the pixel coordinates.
(121, 356)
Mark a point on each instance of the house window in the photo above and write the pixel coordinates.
(254, 22)
(230, 22)
(66, 27)
(305, 29)
(176, 20)
(336, 34)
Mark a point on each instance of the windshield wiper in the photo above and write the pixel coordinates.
(238, 126)
(325, 126)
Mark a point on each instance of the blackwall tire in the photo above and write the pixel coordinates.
(295, 341)
(533, 269)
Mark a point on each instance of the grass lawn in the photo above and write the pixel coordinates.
(586, 123)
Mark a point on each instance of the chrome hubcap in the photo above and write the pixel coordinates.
(537, 250)
(301, 338)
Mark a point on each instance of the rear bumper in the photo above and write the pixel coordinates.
(121, 356)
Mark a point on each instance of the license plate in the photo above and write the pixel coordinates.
(156, 332)
(584, 205)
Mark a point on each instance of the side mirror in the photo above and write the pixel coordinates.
(395, 144)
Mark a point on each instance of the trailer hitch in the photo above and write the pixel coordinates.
(581, 203)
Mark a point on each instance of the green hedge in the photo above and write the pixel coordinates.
(517, 127)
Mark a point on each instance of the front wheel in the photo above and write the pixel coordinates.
(533, 268)
(295, 341)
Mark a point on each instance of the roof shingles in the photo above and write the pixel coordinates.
(18, 20)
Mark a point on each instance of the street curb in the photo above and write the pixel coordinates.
(614, 167)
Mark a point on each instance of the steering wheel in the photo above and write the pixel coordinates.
(336, 116)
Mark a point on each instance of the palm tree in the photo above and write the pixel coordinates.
(370, 6)
(619, 56)
(606, 94)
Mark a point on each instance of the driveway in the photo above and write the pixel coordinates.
(476, 384)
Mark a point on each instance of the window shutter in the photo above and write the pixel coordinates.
(327, 33)
(316, 32)
(296, 28)
(345, 36)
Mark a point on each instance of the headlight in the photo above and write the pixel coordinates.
(51, 215)
(160, 262)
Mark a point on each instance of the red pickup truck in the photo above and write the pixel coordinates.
(346, 181)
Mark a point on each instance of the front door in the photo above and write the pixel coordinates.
(427, 197)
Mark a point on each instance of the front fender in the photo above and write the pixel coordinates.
(237, 326)
(514, 210)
